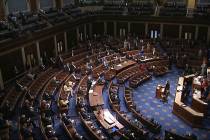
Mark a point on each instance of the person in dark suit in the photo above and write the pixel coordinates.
(166, 92)
(89, 82)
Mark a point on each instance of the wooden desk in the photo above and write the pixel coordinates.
(107, 120)
(183, 111)
(95, 95)
(159, 91)
(189, 77)
(196, 83)
(198, 104)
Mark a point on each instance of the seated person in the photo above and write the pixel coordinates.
(20, 87)
(63, 103)
(205, 93)
(47, 96)
(31, 76)
(3, 122)
(204, 84)
(55, 81)
(6, 110)
(72, 67)
(47, 120)
(101, 81)
(26, 131)
(50, 131)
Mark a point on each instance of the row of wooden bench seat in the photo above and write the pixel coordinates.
(51, 88)
(138, 78)
(126, 74)
(34, 91)
(114, 101)
(151, 125)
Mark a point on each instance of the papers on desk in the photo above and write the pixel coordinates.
(119, 65)
(93, 82)
(90, 91)
(95, 93)
(179, 88)
(183, 105)
(108, 118)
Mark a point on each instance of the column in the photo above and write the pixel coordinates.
(55, 42)
(105, 27)
(196, 32)
(161, 31)
(85, 32)
(2, 9)
(33, 5)
(129, 27)
(76, 2)
(77, 32)
(38, 52)
(1, 81)
(65, 42)
(146, 29)
(208, 35)
(23, 57)
(115, 29)
(180, 31)
(58, 4)
(90, 30)
(54, 3)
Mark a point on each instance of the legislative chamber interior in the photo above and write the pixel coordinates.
(104, 70)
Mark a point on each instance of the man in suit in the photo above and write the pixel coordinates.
(166, 92)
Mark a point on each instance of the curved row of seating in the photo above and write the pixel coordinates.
(126, 74)
(29, 103)
(127, 121)
(85, 116)
(46, 102)
(138, 78)
(10, 99)
(66, 92)
(150, 124)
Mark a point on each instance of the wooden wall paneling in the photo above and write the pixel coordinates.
(202, 33)
(170, 31)
(138, 29)
(87, 30)
(8, 62)
(110, 28)
(98, 28)
(47, 49)
(71, 39)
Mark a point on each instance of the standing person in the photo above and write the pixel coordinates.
(166, 92)
(203, 69)
(153, 51)
(89, 82)
(167, 88)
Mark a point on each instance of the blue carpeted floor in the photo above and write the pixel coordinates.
(144, 97)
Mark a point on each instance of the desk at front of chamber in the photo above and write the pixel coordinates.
(183, 111)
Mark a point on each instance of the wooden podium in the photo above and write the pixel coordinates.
(159, 91)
